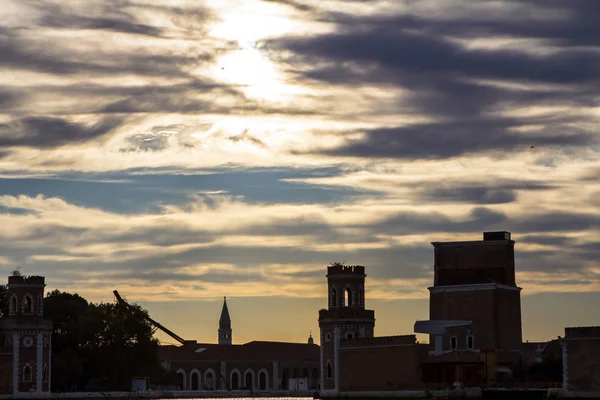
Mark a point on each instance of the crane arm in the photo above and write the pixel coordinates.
(153, 322)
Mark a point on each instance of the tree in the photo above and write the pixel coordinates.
(3, 301)
(99, 346)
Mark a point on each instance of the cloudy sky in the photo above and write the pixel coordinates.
(182, 150)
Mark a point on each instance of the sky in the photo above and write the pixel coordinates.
(182, 150)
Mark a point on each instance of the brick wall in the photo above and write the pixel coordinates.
(471, 305)
(508, 322)
(6, 373)
(379, 368)
(583, 364)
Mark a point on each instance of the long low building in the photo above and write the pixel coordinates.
(257, 365)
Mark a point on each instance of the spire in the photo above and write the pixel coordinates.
(225, 325)
(225, 312)
(310, 338)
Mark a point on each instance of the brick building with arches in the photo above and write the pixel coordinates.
(25, 339)
(256, 366)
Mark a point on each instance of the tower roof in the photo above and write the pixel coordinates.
(225, 312)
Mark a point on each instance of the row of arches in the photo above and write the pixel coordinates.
(237, 380)
(28, 373)
(247, 380)
(349, 297)
(27, 305)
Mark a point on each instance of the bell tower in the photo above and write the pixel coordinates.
(224, 325)
(345, 318)
(27, 336)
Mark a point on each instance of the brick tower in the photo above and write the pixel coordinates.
(475, 281)
(346, 318)
(26, 338)
(225, 325)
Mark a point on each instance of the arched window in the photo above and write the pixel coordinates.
(7, 341)
(27, 373)
(262, 380)
(235, 380)
(248, 380)
(40, 305)
(329, 370)
(208, 380)
(45, 373)
(13, 305)
(348, 297)
(27, 304)
(361, 295)
(333, 297)
(195, 380)
(285, 379)
(181, 378)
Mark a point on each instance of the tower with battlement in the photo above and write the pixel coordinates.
(345, 318)
(25, 337)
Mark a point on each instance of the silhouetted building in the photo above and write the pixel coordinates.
(581, 359)
(25, 339)
(474, 325)
(257, 365)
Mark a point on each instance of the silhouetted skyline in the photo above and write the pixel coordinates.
(185, 152)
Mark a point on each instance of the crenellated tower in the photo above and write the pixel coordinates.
(345, 318)
(224, 325)
(26, 337)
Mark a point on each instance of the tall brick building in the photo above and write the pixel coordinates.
(25, 339)
(475, 281)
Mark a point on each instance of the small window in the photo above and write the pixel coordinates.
(470, 343)
(27, 305)
(350, 335)
(40, 305)
(13, 305)
(45, 373)
(348, 297)
(329, 371)
(333, 298)
(27, 373)
(7, 341)
(453, 343)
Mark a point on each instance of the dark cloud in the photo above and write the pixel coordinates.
(52, 131)
(447, 140)
(407, 223)
(555, 221)
(449, 82)
(245, 136)
(387, 48)
(499, 192)
(36, 55)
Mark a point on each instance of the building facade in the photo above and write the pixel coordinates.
(25, 339)
(257, 366)
(581, 359)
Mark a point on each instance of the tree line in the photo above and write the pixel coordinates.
(98, 346)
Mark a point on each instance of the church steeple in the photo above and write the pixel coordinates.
(225, 325)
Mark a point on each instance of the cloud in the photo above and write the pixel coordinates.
(446, 140)
(43, 132)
